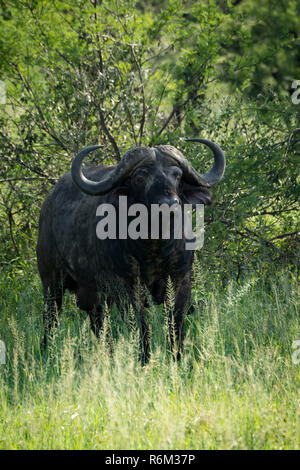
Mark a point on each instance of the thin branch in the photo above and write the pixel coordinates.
(288, 144)
(11, 222)
(178, 106)
(108, 134)
(34, 170)
(28, 178)
(273, 213)
(46, 40)
(285, 235)
(131, 123)
(48, 128)
(164, 125)
(100, 108)
(143, 118)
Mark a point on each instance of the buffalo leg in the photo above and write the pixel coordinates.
(88, 300)
(176, 318)
(139, 301)
(144, 338)
(96, 318)
(53, 295)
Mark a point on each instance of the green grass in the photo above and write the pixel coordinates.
(235, 388)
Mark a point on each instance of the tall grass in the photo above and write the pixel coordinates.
(235, 388)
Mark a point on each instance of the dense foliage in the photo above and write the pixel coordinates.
(123, 74)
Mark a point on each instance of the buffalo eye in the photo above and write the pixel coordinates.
(139, 178)
(177, 173)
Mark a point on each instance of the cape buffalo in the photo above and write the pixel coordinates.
(71, 256)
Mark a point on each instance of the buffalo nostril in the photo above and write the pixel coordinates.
(170, 201)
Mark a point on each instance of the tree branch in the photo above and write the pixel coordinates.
(143, 118)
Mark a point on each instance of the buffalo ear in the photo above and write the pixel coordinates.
(196, 194)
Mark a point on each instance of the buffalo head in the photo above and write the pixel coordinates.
(159, 175)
